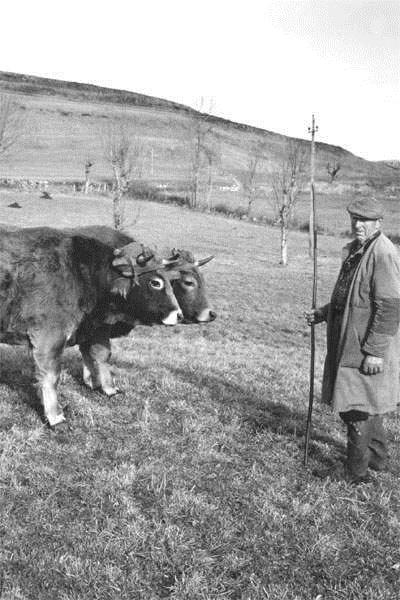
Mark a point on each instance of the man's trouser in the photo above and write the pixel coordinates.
(366, 443)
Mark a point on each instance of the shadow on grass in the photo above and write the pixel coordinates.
(18, 377)
(258, 413)
(262, 414)
(26, 395)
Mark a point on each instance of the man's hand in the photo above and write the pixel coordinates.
(314, 316)
(371, 365)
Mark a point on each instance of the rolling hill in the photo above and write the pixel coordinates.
(64, 121)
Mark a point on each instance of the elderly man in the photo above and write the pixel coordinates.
(361, 374)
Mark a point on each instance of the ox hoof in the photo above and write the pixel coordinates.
(60, 428)
(55, 420)
(111, 391)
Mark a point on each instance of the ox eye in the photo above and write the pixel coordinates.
(188, 283)
(156, 283)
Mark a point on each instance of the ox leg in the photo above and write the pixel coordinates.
(46, 357)
(96, 368)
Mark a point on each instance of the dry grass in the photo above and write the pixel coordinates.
(190, 485)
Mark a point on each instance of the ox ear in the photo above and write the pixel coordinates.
(122, 264)
(203, 261)
(184, 255)
(121, 286)
(126, 274)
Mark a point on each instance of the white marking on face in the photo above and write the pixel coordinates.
(157, 283)
(172, 318)
(204, 316)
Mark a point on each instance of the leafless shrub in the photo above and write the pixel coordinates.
(250, 174)
(123, 152)
(333, 169)
(287, 182)
(203, 154)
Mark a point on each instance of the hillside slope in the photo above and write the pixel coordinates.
(65, 121)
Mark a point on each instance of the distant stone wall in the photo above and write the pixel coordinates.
(41, 185)
(23, 184)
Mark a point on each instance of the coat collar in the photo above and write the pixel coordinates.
(356, 248)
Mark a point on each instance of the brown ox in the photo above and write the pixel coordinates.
(59, 289)
(188, 286)
(187, 280)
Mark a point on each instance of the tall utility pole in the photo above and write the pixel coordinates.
(313, 129)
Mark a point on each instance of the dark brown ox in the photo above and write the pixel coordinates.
(59, 289)
(187, 283)
(187, 280)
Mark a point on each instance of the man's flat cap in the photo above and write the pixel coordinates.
(366, 208)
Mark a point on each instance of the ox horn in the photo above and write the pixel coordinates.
(203, 261)
(184, 255)
(146, 254)
(123, 266)
(142, 259)
(170, 262)
(174, 259)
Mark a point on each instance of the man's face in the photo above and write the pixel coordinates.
(362, 229)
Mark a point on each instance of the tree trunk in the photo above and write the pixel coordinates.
(284, 255)
(209, 189)
(195, 189)
(196, 170)
(88, 166)
(250, 200)
(284, 231)
(117, 209)
(120, 189)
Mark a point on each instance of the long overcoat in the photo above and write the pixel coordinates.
(370, 325)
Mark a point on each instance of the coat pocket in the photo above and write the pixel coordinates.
(354, 335)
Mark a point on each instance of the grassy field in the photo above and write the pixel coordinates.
(190, 484)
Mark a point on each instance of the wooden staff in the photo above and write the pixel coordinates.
(313, 233)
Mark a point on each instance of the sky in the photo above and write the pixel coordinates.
(267, 63)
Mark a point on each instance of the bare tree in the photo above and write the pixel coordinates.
(202, 156)
(333, 169)
(249, 182)
(249, 175)
(287, 182)
(122, 150)
(12, 123)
